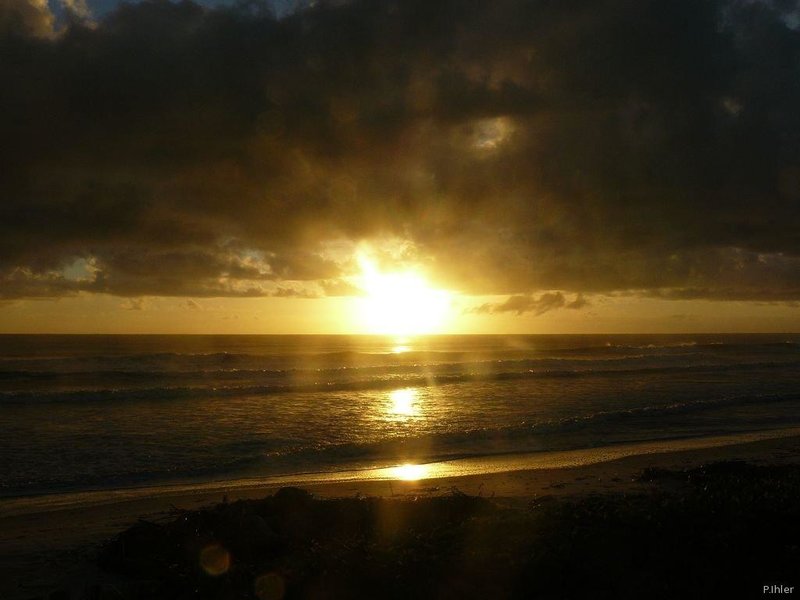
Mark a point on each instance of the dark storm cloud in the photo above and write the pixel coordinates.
(617, 145)
(25, 18)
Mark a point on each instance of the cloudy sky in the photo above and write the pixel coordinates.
(557, 165)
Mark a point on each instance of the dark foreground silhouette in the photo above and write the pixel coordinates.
(724, 530)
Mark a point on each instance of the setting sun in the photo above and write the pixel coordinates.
(400, 303)
(457, 299)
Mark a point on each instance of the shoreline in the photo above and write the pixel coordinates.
(42, 550)
(476, 466)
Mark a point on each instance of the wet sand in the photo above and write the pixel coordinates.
(52, 545)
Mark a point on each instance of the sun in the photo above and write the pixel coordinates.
(399, 303)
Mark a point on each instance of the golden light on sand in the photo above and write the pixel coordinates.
(409, 472)
(403, 402)
(399, 303)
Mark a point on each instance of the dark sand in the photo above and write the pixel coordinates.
(48, 547)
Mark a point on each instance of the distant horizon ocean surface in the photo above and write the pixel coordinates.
(101, 412)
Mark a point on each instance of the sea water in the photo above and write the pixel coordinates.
(89, 412)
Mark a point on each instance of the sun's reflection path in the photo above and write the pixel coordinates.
(401, 345)
(409, 472)
(403, 402)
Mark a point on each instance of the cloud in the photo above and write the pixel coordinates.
(521, 304)
(77, 9)
(578, 303)
(339, 287)
(134, 304)
(648, 147)
(25, 18)
(283, 292)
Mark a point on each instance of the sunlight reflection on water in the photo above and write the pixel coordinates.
(409, 472)
(403, 402)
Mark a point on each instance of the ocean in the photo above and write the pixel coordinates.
(97, 412)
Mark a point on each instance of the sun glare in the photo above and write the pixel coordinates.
(400, 303)
(403, 402)
(409, 472)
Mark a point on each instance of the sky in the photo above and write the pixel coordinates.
(551, 166)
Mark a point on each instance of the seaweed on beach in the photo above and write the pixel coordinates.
(730, 530)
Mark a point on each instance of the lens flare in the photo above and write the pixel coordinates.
(215, 560)
(269, 587)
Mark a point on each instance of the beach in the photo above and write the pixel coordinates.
(106, 433)
(391, 299)
(48, 548)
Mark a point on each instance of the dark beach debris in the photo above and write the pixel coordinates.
(286, 538)
(719, 475)
(731, 529)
